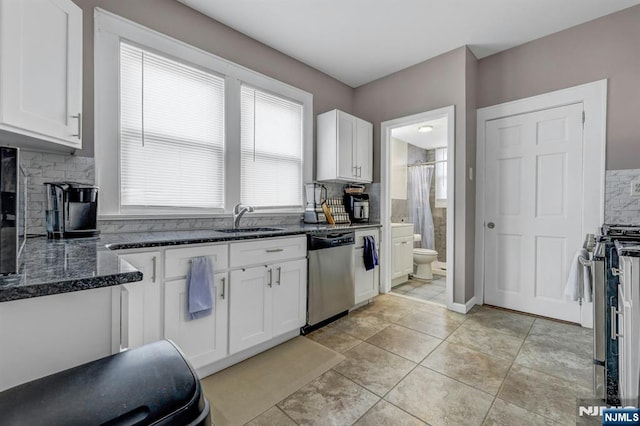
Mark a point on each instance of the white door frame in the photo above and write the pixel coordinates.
(594, 98)
(385, 194)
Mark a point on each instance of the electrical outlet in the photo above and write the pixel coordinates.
(635, 188)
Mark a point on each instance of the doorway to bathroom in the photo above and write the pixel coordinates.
(417, 206)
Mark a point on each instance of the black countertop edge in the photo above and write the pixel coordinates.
(8, 294)
(227, 237)
(49, 267)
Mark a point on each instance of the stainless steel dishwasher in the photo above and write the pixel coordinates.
(331, 277)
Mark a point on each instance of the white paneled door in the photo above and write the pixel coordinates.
(533, 218)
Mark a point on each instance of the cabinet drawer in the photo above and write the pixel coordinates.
(267, 251)
(359, 235)
(176, 263)
(402, 230)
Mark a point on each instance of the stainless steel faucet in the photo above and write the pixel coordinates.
(239, 210)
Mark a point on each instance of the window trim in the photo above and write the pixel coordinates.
(109, 30)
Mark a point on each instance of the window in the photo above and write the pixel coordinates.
(180, 131)
(441, 177)
(271, 145)
(171, 132)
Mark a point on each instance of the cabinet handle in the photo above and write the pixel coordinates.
(616, 272)
(405, 242)
(223, 283)
(355, 173)
(359, 171)
(270, 283)
(79, 117)
(274, 250)
(279, 275)
(154, 261)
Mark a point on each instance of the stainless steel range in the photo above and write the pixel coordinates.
(608, 310)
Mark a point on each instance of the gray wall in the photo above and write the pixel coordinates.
(177, 20)
(433, 84)
(608, 47)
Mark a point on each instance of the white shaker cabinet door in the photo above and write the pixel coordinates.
(289, 296)
(364, 151)
(141, 311)
(347, 124)
(250, 308)
(203, 340)
(41, 70)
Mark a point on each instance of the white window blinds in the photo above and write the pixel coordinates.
(441, 177)
(271, 150)
(171, 132)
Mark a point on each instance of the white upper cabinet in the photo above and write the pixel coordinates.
(41, 74)
(345, 148)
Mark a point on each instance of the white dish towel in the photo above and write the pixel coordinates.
(579, 281)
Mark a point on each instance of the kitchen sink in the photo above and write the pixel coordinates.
(244, 230)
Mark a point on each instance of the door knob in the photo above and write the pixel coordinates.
(491, 225)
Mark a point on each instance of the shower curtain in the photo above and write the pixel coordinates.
(419, 206)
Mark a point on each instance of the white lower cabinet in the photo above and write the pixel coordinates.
(43, 335)
(140, 301)
(266, 301)
(289, 296)
(402, 250)
(402, 256)
(366, 282)
(254, 303)
(250, 310)
(203, 340)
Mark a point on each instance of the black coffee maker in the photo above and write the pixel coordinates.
(357, 206)
(72, 210)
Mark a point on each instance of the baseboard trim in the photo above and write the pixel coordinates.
(464, 308)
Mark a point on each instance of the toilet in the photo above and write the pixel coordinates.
(423, 258)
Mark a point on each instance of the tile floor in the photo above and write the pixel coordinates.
(433, 291)
(414, 363)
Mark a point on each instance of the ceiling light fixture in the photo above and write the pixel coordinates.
(425, 129)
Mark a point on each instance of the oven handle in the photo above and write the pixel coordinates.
(614, 329)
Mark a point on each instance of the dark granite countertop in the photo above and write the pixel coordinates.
(60, 266)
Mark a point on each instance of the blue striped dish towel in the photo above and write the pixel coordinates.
(370, 253)
(200, 301)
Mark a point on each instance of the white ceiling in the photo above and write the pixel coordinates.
(358, 41)
(434, 139)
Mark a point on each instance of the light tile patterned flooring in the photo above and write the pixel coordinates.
(415, 363)
(433, 291)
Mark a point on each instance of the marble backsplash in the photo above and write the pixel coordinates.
(620, 206)
(47, 167)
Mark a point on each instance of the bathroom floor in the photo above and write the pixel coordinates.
(433, 291)
(408, 362)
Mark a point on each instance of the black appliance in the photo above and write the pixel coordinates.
(13, 199)
(357, 206)
(72, 210)
(605, 266)
(150, 385)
